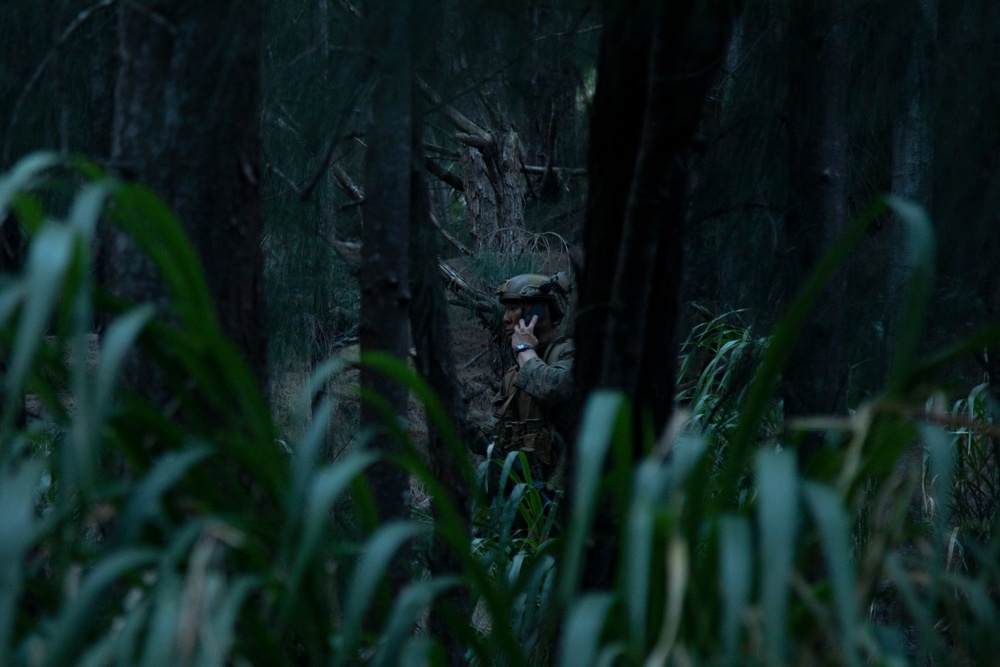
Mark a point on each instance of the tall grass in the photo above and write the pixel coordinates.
(220, 546)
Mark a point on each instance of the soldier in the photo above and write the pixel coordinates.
(531, 410)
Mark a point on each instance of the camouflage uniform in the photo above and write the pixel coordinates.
(531, 414)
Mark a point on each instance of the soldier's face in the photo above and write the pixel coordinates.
(514, 311)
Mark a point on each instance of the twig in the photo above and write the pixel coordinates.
(451, 239)
(944, 419)
(346, 182)
(475, 358)
(287, 179)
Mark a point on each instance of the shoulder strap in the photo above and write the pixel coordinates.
(554, 344)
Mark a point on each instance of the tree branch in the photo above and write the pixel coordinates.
(451, 239)
(468, 132)
(443, 174)
(346, 182)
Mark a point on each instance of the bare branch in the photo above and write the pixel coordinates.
(451, 239)
(474, 140)
(328, 157)
(351, 8)
(468, 296)
(441, 150)
(443, 174)
(346, 182)
(570, 171)
(287, 179)
(469, 132)
(349, 251)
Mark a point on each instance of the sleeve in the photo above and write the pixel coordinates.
(549, 382)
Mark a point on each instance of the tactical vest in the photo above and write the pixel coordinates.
(521, 423)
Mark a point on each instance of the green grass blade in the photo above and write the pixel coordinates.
(638, 553)
(413, 601)
(369, 574)
(17, 505)
(920, 260)
(940, 474)
(736, 565)
(600, 418)
(325, 489)
(835, 533)
(304, 460)
(221, 633)
(117, 341)
(147, 220)
(86, 211)
(678, 569)
(23, 175)
(777, 516)
(146, 498)
(422, 652)
(581, 637)
(922, 610)
(611, 654)
(159, 648)
(80, 614)
(47, 263)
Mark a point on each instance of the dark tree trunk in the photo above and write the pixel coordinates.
(385, 274)
(550, 86)
(186, 123)
(912, 145)
(435, 362)
(656, 64)
(817, 373)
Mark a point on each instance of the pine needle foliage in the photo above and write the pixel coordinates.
(220, 546)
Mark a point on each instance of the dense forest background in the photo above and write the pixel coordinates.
(779, 217)
(890, 101)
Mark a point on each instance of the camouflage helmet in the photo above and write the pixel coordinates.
(552, 290)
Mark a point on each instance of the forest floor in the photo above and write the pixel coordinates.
(478, 382)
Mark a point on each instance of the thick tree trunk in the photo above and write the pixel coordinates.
(654, 70)
(816, 376)
(493, 193)
(186, 123)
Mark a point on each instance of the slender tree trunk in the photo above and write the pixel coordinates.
(186, 123)
(656, 64)
(385, 274)
(912, 146)
(435, 362)
(816, 376)
(551, 82)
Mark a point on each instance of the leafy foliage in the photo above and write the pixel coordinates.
(130, 534)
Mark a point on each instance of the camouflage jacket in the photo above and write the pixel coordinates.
(532, 410)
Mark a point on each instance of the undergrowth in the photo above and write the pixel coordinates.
(134, 535)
